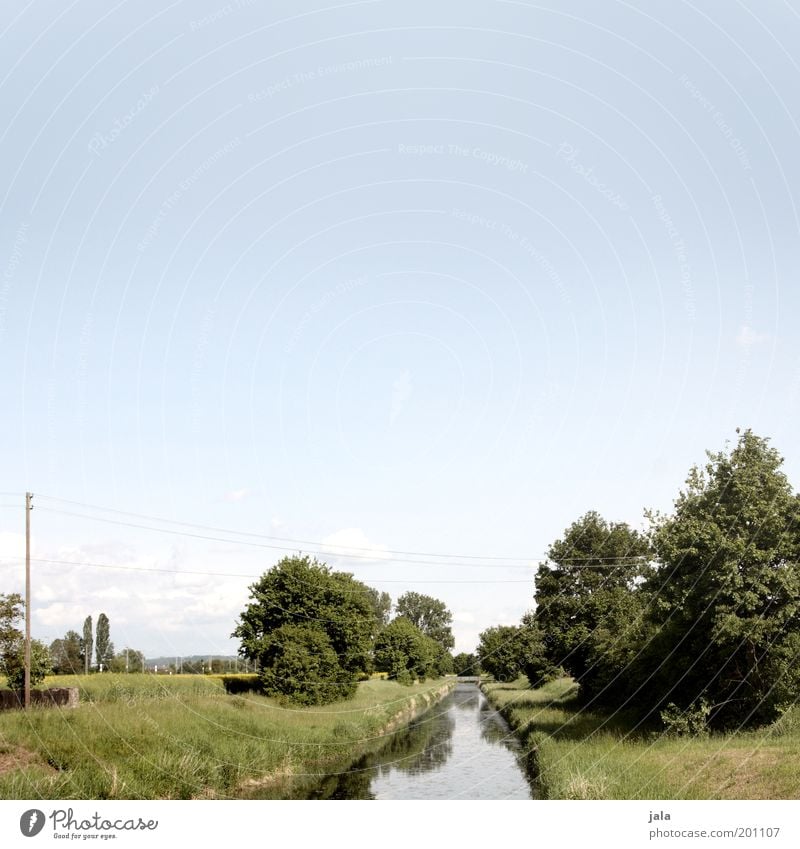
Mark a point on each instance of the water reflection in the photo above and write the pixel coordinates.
(459, 749)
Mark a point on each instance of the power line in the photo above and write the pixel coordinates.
(373, 557)
(279, 539)
(322, 548)
(241, 575)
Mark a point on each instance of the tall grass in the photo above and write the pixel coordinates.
(578, 754)
(145, 736)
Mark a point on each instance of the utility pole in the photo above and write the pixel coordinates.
(28, 508)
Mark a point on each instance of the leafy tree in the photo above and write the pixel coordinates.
(725, 601)
(303, 592)
(86, 644)
(12, 646)
(466, 664)
(382, 603)
(66, 654)
(428, 614)
(131, 660)
(442, 660)
(300, 663)
(104, 648)
(12, 610)
(508, 651)
(14, 664)
(404, 652)
(589, 576)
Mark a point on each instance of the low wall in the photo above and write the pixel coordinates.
(66, 697)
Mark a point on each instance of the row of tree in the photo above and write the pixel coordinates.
(72, 653)
(315, 632)
(696, 621)
(68, 655)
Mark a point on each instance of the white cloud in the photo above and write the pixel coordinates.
(402, 389)
(12, 546)
(353, 542)
(464, 616)
(236, 495)
(747, 337)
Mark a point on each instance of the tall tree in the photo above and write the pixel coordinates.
(428, 614)
(87, 642)
(590, 574)
(725, 609)
(103, 647)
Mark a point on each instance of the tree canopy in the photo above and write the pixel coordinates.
(66, 654)
(12, 645)
(302, 592)
(724, 608)
(508, 651)
(428, 614)
(404, 652)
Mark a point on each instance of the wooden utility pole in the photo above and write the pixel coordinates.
(28, 508)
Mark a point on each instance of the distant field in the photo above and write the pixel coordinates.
(182, 736)
(582, 755)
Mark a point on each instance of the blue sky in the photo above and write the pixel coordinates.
(418, 277)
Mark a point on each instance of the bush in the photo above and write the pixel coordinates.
(301, 665)
(692, 721)
(235, 684)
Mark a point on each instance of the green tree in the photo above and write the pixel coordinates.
(589, 576)
(382, 603)
(12, 611)
(466, 664)
(404, 652)
(301, 591)
(300, 663)
(508, 651)
(724, 610)
(104, 648)
(14, 664)
(131, 660)
(87, 642)
(66, 654)
(428, 614)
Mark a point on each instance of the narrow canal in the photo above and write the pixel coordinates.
(458, 749)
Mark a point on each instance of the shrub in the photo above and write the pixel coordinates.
(300, 664)
(692, 721)
(235, 684)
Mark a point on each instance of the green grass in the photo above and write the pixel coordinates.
(578, 754)
(146, 736)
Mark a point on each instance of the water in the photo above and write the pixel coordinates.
(458, 749)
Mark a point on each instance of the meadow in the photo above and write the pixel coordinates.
(182, 736)
(577, 754)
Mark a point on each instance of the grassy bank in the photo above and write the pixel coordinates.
(145, 736)
(577, 754)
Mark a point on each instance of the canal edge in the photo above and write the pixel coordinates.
(416, 705)
(530, 749)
